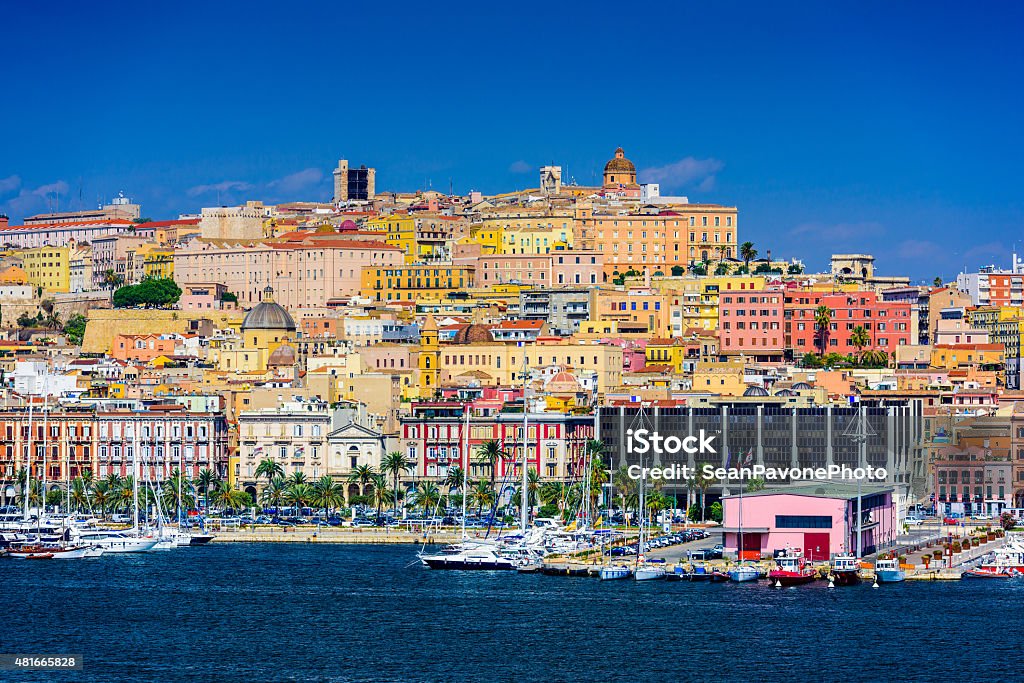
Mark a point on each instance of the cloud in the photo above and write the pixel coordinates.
(297, 183)
(699, 173)
(30, 201)
(519, 167)
(225, 186)
(837, 232)
(9, 184)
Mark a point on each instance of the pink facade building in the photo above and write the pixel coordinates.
(753, 323)
(303, 273)
(559, 268)
(888, 324)
(819, 518)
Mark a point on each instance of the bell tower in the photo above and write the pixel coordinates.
(430, 357)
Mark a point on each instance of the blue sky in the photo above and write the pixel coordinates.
(890, 128)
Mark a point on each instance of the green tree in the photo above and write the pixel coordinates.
(74, 328)
(273, 494)
(754, 485)
(362, 475)
(395, 464)
(937, 281)
(230, 498)
(700, 268)
(207, 480)
(327, 494)
(427, 497)
(269, 468)
(715, 511)
(702, 484)
(747, 253)
(381, 495)
(795, 269)
(481, 495)
(488, 454)
(823, 321)
(859, 338)
(152, 292)
(677, 271)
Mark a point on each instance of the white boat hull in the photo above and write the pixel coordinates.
(649, 573)
(614, 573)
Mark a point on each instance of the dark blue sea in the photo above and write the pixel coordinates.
(282, 612)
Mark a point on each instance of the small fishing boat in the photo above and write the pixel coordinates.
(718, 576)
(844, 570)
(39, 556)
(744, 572)
(888, 570)
(791, 570)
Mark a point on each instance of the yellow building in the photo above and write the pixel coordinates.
(399, 231)
(725, 378)
(959, 356)
(535, 241)
(415, 282)
(667, 352)
(266, 334)
(634, 310)
(48, 267)
(157, 261)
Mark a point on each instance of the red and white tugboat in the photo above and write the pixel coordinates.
(791, 570)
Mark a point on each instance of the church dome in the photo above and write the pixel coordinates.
(473, 334)
(620, 164)
(755, 391)
(283, 356)
(268, 315)
(801, 386)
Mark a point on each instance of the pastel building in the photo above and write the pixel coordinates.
(887, 323)
(752, 323)
(818, 518)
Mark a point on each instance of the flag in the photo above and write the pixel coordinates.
(728, 458)
(750, 457)
(257, 450)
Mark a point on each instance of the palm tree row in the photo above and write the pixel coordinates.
(114, 493)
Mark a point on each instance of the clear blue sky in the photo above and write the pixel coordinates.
(891, 128)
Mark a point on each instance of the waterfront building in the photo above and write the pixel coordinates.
(973, 479)
(817, 518)
(292, 434)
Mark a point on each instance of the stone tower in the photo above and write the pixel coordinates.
(341, 181)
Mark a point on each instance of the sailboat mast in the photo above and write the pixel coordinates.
(465, 466)
(180, 475)
(739, 550)
(26, 490)
(524, 514)
(135, 478)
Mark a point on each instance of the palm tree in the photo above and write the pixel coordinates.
(79, 494)
(269, 468)
(169, 494)
(273, 493)
(937, 281)
(823, 319)
(455, 479)
(703, 483)
(124, 495)
(207, 479)
(427, 496)
(230, 498)
(489, 453)
(859, 338)
(328, 494)
(747, 253)
(300, 495)
(394, 463)
(101, 496)
(362, 475)
(381, 494)
(482, 495)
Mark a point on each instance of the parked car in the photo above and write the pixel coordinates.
(914, 521)
(950, 520)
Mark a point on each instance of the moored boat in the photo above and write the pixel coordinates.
(888, 570)
(614, 572)
(648, 572)
(744, 572)
(844, 570)
(791, 570)
(468, 556)
(988, 574)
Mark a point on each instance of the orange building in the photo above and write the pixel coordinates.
(142, 347)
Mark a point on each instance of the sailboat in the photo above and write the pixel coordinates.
(612, 572)
(743, 572)
(644, 570)
(467, 554)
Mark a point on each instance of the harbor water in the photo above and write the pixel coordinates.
(348, 613)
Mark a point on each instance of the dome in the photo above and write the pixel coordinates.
(799, 386)
(563, 383)
(267, 315)
(619, 163)
(755, 391)
(473, 334)
(348, 224)
(283, 355)
(785, 392)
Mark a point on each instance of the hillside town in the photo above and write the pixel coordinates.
(326, 337)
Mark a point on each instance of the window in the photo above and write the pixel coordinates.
(803, 522)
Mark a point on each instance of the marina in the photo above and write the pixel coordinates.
(293, 602)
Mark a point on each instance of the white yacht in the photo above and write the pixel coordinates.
(113, 541)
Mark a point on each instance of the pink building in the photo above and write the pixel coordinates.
(559, 268)
(819, 518)
(202, 296)
(887, 323)
(305, 272)
(752, 323)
